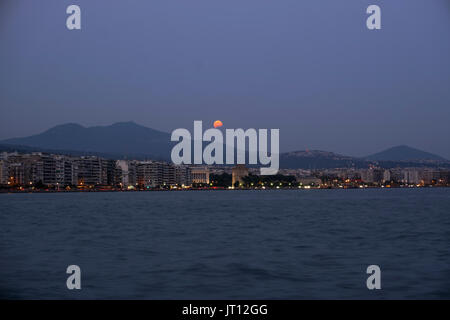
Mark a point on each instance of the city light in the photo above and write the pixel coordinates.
(26, 171)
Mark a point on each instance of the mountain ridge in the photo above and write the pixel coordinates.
(131, 140)
(404, 153)
(121, 137)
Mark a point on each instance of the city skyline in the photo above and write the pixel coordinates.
(41, 171)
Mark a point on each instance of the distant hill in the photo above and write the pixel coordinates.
(128, 140)
(317, 159)
(404, 153)
(124, 138)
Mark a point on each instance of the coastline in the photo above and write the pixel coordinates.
(212, 189)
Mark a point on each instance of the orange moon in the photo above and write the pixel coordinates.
(218, 123)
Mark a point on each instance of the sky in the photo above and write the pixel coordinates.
(310, 68)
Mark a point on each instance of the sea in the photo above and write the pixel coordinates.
(228, 244)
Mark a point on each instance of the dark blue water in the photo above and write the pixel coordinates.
(227, 244)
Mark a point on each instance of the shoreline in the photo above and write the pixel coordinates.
(211, 189)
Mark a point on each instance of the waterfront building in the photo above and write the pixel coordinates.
(163, 174)
(429, 176)
(396, 175)
(238, 173)
(41, 168)
(411, 177)
(372, 175)
(445, 177)
(60, 170)
(33, 166)
(348, 174)
(167, 171)
(89, 171)
(183, 175)
(386, 176)
(122, 173)
(126, 173)
(16, 173)
(309, 181)
(69, 172)
(132, 173)
(160, 174)
(146, 174)
(25, 169)
(3, 172)
(200, 175)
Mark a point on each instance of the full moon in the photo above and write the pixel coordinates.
(218, 124)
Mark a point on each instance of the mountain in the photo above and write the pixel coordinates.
(316, 159)
(400, 157)
(404, 153)
(132, 141)
(124, 138)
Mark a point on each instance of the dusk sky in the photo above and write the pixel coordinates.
(310, 68)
